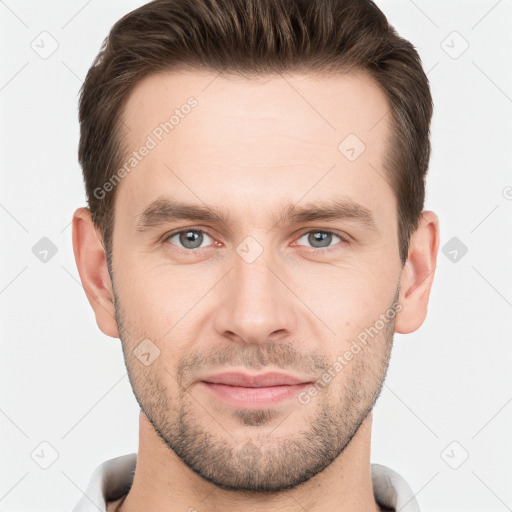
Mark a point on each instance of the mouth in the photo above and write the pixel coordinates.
(253, 391)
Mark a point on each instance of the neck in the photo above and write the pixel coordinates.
(163, 483)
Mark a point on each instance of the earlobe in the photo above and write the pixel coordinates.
(91, 262)
(418, 274)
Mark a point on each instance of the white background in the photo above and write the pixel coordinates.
(64, 382)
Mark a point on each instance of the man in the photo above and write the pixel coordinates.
(255, 235)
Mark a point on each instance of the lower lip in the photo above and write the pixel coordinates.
(253, 398)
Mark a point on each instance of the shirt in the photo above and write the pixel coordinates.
(112, 480)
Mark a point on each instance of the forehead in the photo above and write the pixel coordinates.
(328, 106)
(215, 136)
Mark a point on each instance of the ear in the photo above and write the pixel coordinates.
(91, 261)
(418, 274)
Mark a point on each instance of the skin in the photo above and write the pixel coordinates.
(249, 149)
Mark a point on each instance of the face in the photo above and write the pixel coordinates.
(248, 239)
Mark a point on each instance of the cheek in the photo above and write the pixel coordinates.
(160, 301)
(348, 298)
(140, 299)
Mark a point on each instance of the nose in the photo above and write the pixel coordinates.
(255, 306)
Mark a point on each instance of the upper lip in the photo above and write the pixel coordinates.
(254, 381)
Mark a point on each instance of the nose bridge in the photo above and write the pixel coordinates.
(254, 302)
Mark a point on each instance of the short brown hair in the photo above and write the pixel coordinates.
(256, 37)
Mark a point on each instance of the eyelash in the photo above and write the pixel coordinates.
(315, 250)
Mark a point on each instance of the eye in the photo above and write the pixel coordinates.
(188, 238)
(321, 239)
(193, 239)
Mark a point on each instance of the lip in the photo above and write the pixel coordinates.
(253, 391)
(254, 381)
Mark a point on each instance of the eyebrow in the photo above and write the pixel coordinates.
(164, 210)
